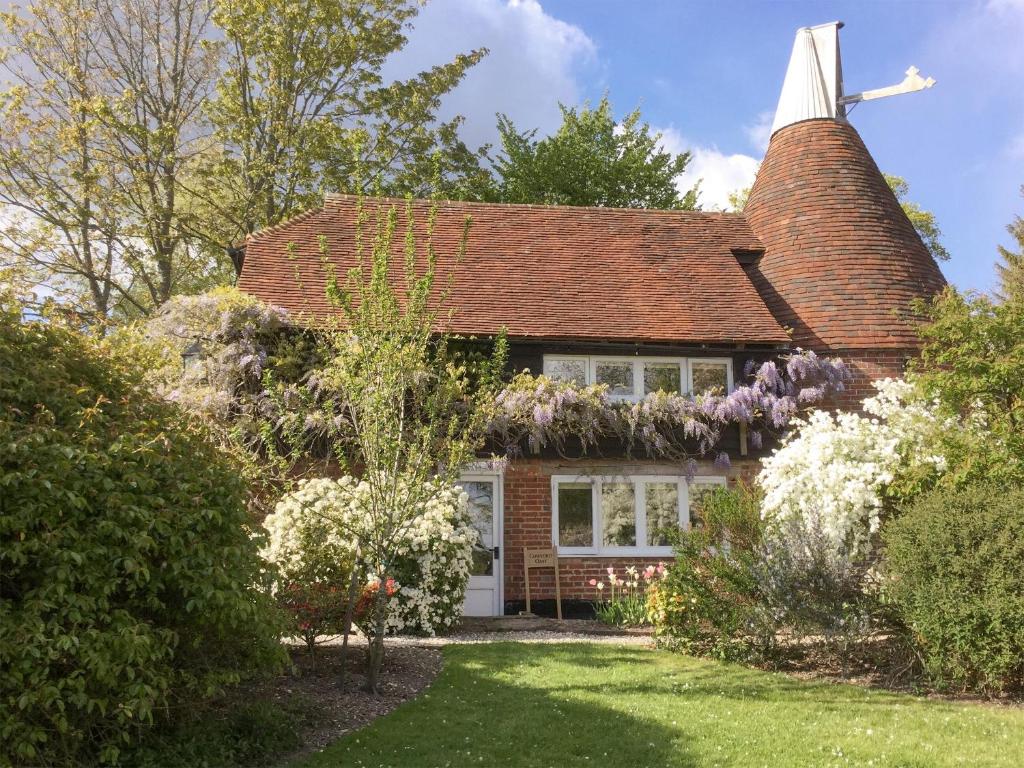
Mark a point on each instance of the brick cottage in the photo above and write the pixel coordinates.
(822, 258)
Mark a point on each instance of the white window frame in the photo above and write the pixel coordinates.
(639, 483)
(685, 372)
(638, 371)
(711, 361)
(582, 358)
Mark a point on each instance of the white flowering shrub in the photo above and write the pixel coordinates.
(323, 519)
(831, 475)
(302, 542)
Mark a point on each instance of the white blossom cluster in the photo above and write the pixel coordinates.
(323, 519)
(303, 539)
(831, 472)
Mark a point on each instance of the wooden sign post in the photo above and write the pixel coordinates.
(542, 558)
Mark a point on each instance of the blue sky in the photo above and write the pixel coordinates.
(709, 74)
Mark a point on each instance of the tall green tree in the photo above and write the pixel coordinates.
(1011, 268)
(924, 221)
(158, 62)
(102, 120)
(141, 137)
(58, 203)
(302, 108)
(593, 160)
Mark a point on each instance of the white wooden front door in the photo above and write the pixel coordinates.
(483, 595)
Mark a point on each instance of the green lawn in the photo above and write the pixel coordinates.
(576, 704)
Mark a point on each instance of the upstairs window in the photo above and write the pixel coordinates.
(666, 377)
(616, 375)
(632, 378)
(710, 375)
(572, 369)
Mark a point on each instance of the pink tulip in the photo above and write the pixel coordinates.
(593, 582)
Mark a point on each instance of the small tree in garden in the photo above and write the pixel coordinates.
(407, 414)
(971, 366)
(316, 530)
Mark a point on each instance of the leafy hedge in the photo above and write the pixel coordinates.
(710, 601)
(738, 583)
(129, 573)
(956, 560)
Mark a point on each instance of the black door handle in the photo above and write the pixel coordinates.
(497, 553)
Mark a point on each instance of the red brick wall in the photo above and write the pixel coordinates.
(527, 522)
(868, 366)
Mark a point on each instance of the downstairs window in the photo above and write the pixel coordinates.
(622, 515)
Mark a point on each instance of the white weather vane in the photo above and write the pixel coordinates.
(912, 82)
(813, 87)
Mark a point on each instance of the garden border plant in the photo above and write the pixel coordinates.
(129, 571)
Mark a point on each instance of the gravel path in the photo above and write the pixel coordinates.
(537, 636)
(516, 629)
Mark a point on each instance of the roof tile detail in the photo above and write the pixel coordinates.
(842, 262)
(543, 271)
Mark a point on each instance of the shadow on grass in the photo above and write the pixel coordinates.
(576, 704)
(483, 711)
(701, 677)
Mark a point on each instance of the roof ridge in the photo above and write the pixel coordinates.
(271, 229)
(331, 196)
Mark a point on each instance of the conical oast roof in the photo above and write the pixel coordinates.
(842, 262)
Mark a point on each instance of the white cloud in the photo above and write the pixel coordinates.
(719, 174)
(760, 131)
(1003, 6)
(535, 61)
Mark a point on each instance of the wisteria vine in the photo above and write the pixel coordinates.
(237, 334)
(539, 412)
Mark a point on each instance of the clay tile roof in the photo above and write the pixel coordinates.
(544, 271)
(842, 262)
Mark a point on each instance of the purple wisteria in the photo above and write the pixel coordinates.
(540, 412)
(230, 336)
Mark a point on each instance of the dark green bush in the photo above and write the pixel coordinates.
(129, 576)
(710, 602)
(234, 734)
(956, 558)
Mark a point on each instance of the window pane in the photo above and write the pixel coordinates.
(698, 491)
(566, 370)
(661, 376)
(481, 512)
(618, 515)
(575, 515)
(709, 376)
(618, 377)
(662, 512)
